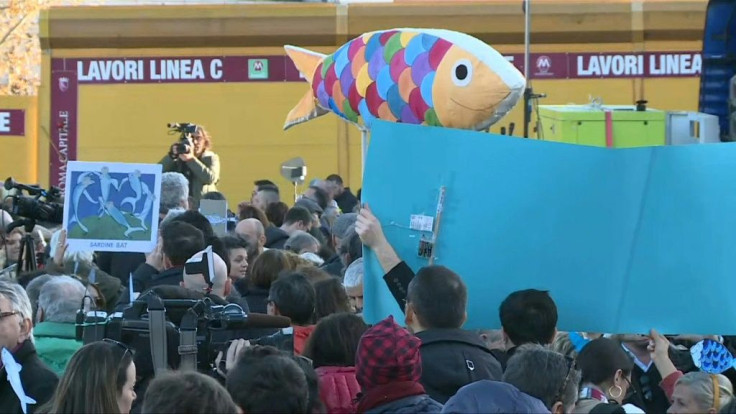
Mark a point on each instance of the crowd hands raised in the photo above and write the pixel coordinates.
(305, 263)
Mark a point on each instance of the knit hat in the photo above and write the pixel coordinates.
(387, 353)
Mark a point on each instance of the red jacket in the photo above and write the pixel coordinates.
(301, 334)
(338, 389)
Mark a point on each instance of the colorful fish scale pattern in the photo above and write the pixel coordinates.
(386, 75)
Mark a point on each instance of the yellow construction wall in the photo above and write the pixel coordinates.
(127, 122)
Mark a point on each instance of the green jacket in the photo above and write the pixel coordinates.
(203, 173)
(55, 344)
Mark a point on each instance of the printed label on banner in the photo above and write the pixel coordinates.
(12, 122)
(258, 68)
(421, 222)
(190, 69)
(280, 68)
(63, 146)
(660, 64)
(154, 70)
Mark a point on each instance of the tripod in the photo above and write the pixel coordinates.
(27, 256)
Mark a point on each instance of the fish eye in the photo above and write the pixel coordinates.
(462, 73)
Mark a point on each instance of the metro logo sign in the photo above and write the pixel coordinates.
(258, 69)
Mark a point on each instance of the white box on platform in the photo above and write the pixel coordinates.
(685, 128)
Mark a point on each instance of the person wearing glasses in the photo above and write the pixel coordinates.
(200, 165)
(606, 378)
(537, 380)
(16, 335)
(100, 378)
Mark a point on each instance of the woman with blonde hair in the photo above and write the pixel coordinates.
(199, 164)
(694, 392)
(700, 392)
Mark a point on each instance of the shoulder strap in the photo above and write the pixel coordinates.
(157, 333)
(188, 341)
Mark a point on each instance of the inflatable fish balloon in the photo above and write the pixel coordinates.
(416, 76)
(712, 357)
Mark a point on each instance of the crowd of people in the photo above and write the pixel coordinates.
(304, 263)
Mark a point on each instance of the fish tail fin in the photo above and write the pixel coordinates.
(306, 62)
(304, 111)
(28, 400)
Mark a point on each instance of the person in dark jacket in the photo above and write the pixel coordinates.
(545, 375)
(342, 195)
(16, 335)
(264, 271)
(297, 218)
(493, 397)
(388, 367)
(436, 300)
(341, 229)
(164, 266)
(647, 393)
(527, 317)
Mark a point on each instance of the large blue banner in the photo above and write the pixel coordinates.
(624, 240)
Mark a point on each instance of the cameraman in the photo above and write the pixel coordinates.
(200, 165)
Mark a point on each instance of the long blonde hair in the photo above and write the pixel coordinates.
(206, 138)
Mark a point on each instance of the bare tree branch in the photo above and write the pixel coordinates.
(10, 31)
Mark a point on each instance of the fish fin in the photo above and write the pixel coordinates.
(133, 230)
(305, 110)
(29, 400)
(305, 60)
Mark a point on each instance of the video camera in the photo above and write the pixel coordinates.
(39, 204)
(183, 333)
(185, 143)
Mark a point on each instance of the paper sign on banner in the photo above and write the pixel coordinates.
(216, 213)
(112, 206)
(616, 235)
(421, 222)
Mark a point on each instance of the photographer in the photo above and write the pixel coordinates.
(192, 157)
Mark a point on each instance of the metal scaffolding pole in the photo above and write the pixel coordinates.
(528, 90)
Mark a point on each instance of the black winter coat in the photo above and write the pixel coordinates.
(451, 358)
(39, 382)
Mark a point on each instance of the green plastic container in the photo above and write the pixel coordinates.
(586, 125)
